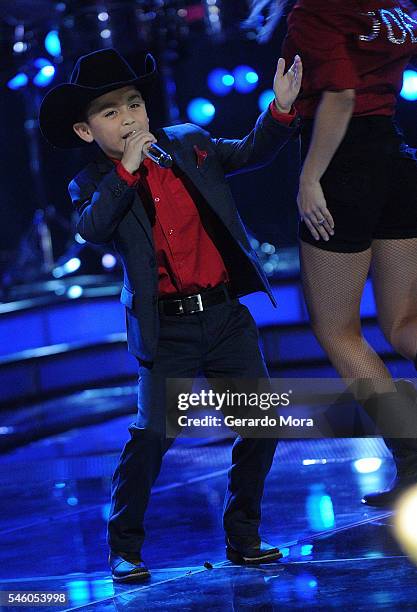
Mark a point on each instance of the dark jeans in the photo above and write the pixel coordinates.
(220, 342)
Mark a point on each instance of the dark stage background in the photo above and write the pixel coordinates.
(187, 46)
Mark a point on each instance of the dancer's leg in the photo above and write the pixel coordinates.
(333, 285)
(394, 275)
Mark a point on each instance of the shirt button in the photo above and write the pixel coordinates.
(171, 231)
(157, 199)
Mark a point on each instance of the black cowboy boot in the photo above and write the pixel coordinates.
(404, 450)
(127, 567)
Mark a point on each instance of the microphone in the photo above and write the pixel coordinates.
(159, 156)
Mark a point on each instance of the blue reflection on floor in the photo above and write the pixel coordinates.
(337, 553)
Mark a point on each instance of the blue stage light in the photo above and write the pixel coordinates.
(228, 80)
(20, 46)
(246, 79)
(53, 44)
(72, 265)
(74, 292)
(201, 111)
(367, 465)
(44, 76)
(267, 248)
(68, 267)
(105, 512)
(326, 511)
(18, 81)
(41, 62)
(108, 261)
(319, 507)
(78, 591)
(265, 99)
(252, 77)
(79, 239)
(220, 81)
(305, 586)
(409, 89)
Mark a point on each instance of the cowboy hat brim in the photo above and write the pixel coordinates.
(65, 105)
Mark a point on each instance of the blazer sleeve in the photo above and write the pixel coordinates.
(258, 148)
(100, 206)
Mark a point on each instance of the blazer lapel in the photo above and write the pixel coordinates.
(184, 158)
(138, 209)
(170, 143)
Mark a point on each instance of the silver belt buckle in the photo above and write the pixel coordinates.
(199, 303)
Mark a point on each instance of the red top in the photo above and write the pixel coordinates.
(181, 241)
(352, 44)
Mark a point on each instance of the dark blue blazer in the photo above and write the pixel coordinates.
(111, 211)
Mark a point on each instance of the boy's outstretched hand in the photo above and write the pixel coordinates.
(287, 86)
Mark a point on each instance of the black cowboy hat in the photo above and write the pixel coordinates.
(94, 74)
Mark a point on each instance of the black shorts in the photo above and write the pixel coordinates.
(370, 186)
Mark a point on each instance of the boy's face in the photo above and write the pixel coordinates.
(111, 117)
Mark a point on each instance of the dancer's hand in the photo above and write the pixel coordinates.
(313, 209)
(287, 86)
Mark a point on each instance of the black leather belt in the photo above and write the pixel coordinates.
(197, 302)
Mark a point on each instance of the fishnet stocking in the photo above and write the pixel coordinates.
(333, 284)
(394, 275)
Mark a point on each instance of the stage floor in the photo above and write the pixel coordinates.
(337, 552)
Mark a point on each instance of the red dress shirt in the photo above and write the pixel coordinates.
(357, 44)
(187, 257)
